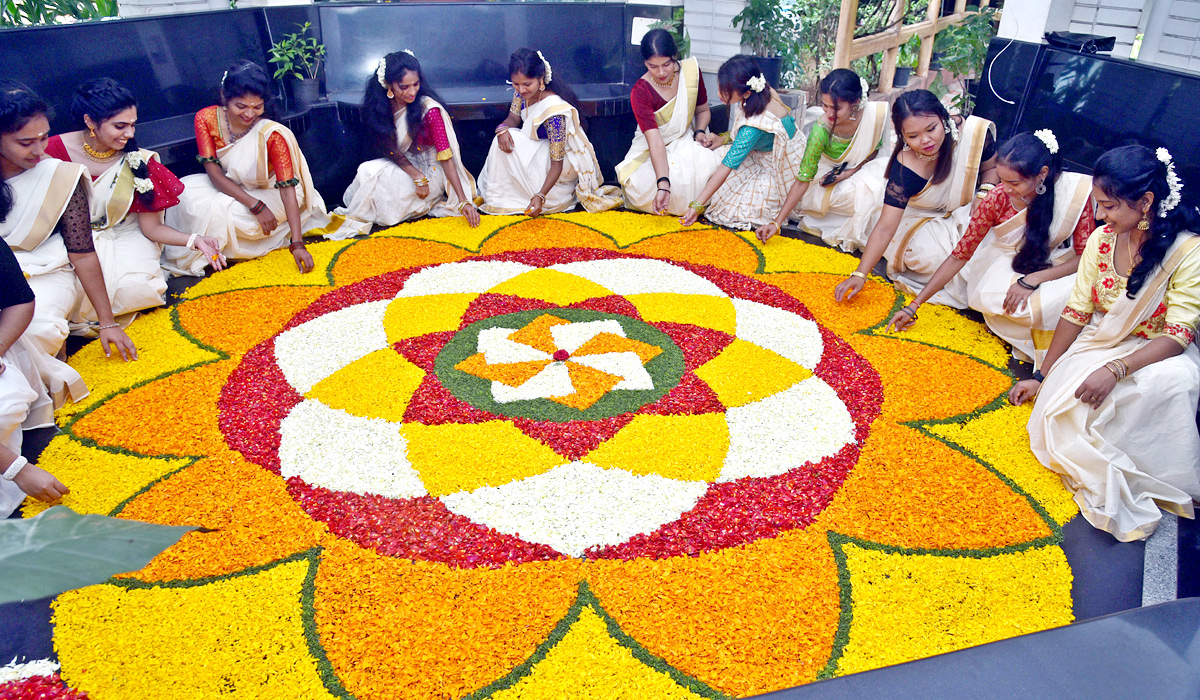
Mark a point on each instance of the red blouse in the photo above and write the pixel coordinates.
(434, 134)
(996, 208)
(646, 101)
(167, 187)
(209, 141)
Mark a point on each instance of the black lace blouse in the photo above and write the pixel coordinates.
(75, 225)
(904, 184)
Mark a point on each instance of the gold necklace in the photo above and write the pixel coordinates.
(667, 84)
(99, 156)
(229, 126)
(1129, 250)
(922, 156)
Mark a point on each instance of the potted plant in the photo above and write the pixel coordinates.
(675, 26)
(766, 27)
(964, 48)
(906, 61)
(299, 57)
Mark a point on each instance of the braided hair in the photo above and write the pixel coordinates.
(377, 107)
(1026, 155)
(102, 99)
(18, 105)
(1127, 174)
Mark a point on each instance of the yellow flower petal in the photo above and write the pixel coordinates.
(697, 309)
(688, 448)
(560, 288)
(744, 373)
(463, 457)
(408, 317)
(377, 385)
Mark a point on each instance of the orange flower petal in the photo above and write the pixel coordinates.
(712, 247)
(610, 342)
(869, 307)
(590, 386)
(509, 373)
(237, 321)
(544, 233)
(536, 333)
(376, 256)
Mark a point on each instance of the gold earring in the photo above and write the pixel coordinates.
(91, 132)
(1144, 224)
(543, 86)
(391, 95)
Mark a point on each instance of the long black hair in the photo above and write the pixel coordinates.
(1026, 155)
(248, 78)
(18, 104)
(922, 103)
(528, 63)
(102, 99)
(659, 43)
(377, 106)
(1127, 174)
(733, 78)
(843, 87)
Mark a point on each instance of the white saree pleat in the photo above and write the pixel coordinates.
(1140, 450)
(17, 395)
(753, 193)
(207, 211)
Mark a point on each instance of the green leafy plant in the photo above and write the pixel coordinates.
(59, 550)
(909, 53)
(297, 55)
(964, 48)
(767, 26)
(19, 13)
(675, 26)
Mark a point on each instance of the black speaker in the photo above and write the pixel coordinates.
(1083, 43)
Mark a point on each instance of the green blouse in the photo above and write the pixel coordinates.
(750, 139)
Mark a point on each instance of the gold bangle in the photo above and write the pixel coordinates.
(539, 194)
(856, 273)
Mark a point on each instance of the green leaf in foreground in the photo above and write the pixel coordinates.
(60, 550)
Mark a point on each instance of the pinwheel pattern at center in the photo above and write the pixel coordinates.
(574, 364)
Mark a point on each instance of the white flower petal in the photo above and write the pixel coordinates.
(805, 423)
(626, 365)
(641, 276)
(782, 332)
(335, 450)
(572, 336)
(469, 276)
(579, 505)
(554, 380)
(314, 350)
(19, 672)
(497, 349)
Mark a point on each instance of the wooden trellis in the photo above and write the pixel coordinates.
(889, 40)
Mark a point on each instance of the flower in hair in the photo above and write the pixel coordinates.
(410, 53)
(546, 65)
(143, 184)
(1174, 184)
(134, 160)
(952, 129)
(381, 72)
(1047, 137)
(223, 77)
(866, 90)
(758, 83)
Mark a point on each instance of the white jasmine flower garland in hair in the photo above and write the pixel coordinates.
(143, 184)
(134, 160)
(546, 65)
(410, 53)
(866, 90)
(1047, 137)
(758, 83)
(381, 73)
(1173, 182)
(952, 129)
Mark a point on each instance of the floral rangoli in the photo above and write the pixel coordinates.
(582, 455)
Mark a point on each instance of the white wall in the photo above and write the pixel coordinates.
(1171, 34)
(713, 37)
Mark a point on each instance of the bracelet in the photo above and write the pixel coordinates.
(1118, 367)
(697, 207)
(1031, 287)
(539, 194)
(858, 274)
(778, 228)
(192, 241)
(664, 177)
(258, 207)
(663, 189)
(1038, 376)
(909, 312)
(421, 181)
(111, 325)
(502, 128)
(15, 468)
(984, 189)
(297, 244)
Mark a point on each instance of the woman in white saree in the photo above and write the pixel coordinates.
(257, 192)
(420, 171)
(1022, 247)
(763, 154)
(838, 191)
(130, 191)
(540, 161)
(935, 169)
(1115, 405)
(667, 165)
(47, 224)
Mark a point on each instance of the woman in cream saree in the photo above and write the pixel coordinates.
(1115, 412)
(257, 192)
(420, 172)
(1021, 249)
(932, 178)
(838, 191)
(541, 161)
(667, 166)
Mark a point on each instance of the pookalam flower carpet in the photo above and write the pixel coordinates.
(581, 455)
